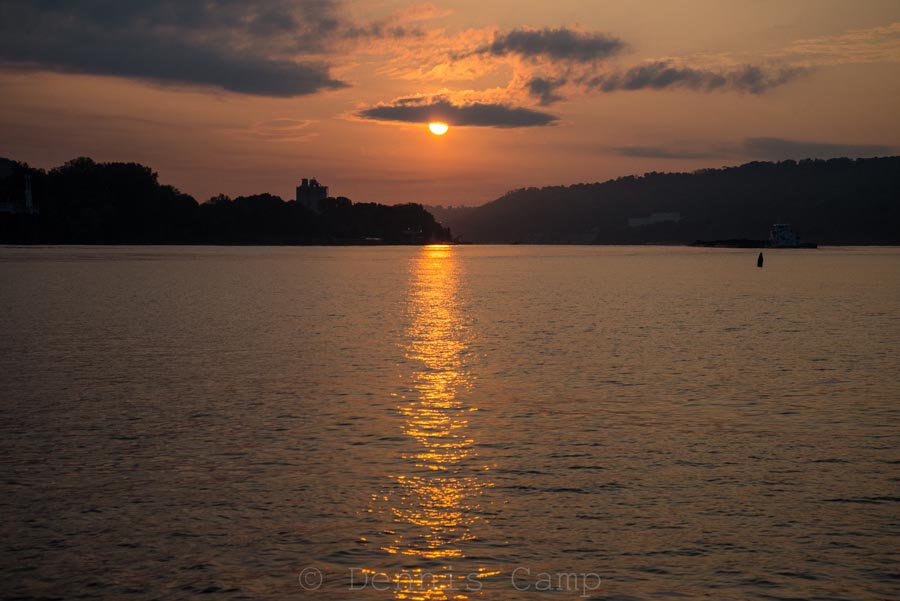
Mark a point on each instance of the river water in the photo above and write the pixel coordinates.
(498, 422)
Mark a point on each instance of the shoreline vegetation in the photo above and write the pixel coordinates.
(835, 202)
(85, 202)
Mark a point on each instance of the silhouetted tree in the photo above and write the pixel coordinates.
(84, 201)
(838, 201)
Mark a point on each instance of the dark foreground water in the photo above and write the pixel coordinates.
(449, 423)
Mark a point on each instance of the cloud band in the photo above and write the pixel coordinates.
(476, 114)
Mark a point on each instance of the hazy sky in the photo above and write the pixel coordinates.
(240, 97)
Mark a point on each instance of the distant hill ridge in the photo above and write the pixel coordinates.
(836, 201)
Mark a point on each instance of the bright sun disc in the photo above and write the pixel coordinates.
(438, 128)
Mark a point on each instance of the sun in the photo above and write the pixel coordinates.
(438, 128)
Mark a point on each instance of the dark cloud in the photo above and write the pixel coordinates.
(779, 148)
(424, 110)
(557, 44)
(661, 152)
(773, 149)
(664, 75)
(545, 90)
(237, 46)
(383, 30)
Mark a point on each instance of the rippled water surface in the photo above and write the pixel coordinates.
(449, 423)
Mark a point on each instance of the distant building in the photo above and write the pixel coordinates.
(311, 193)
(784, 236)
(654, 218)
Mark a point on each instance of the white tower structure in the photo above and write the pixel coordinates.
(29, 202)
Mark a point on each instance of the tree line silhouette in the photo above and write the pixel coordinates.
(86, 202)
(836, 201)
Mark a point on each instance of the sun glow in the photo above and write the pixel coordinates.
(438, 128)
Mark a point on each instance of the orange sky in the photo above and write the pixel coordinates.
(251, 98)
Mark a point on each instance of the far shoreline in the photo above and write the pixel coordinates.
(422, 245)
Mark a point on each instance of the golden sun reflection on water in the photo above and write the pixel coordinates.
(435, 501)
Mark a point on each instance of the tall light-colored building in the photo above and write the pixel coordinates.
(310, 194)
